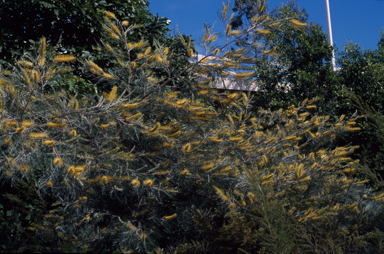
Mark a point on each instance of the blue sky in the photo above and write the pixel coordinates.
(352, 20)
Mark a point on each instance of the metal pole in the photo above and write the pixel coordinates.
(328, 12)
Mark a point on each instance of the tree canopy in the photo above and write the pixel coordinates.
(75, 24)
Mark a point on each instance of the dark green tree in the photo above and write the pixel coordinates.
(74, 24)
(299, 66)
(362, 72)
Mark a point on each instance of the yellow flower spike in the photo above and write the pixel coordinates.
(95, 67)
(129, 106)
(49, 142)
(148, 182)
(55, 125)
(50, 183)
(26, 77)
(71, 170)
(134, 117)
(147, 51)
(58, 161)
(271, 150)
(109, 14)
(262, 31)
(174, 134)
(108, 76)
(105, 179)
(311, 156)
(297, 23)
(73, 133)
(109, 48)
(133, 65)
(235, 32)
(251, 197)
(27, 123)
(190, 52)
(114, 28)
(112, 95)
(171, 217)
(305, 179)
(311, 107)
(314, 165)
(135, 182)
(35, 75)
(36, 135)
(230, 119)
(265, 158)
(228, 29)
(64, 58)
(8, 141)
(187, 148)
(206, 167)
(42, 47)
(25, 64)
(25, 168)
(221, 194)
(290, 138)
(156, 127)
(184, 172)
(125, 23)
(299, 170)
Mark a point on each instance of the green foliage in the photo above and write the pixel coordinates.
(161, 163)
(301, 61)
(73, 24)
(362, 72)
(302, 64)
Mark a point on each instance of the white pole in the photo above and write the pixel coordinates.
(328, 12)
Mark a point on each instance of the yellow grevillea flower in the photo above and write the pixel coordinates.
(58, 161)
(36, 135)
(50, 183)
(206, 167)
(109, 14)
(55, 125)
(262, 31)
(25, 64)
(171, 217)
(148, 182)
(8, 141)
(71, 170)
(49, 142)
(135, 182)
(297, 23)
(25, 168)
(64, 58)
(105, 179)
